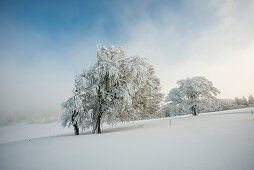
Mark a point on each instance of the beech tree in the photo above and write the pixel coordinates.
(192, 94)
(223, 104)
(147, 98)
(251, 100)
(241, 102)
(116, 88)
(71, 116)
(244, 101)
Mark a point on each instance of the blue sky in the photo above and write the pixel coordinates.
(45, 43)
(37, 31)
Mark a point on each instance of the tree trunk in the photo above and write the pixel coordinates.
(98, 130)
(97, 126)
(194, 111)
(74, 123)
(76, 129)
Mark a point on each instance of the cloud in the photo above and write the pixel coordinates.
(221, 49)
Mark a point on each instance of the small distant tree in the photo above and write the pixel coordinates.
(174, 102)
(170, 109)
(192, 94)
(241, 102)
(251, 100)
(238, 101)
(244, 101)
(225, 104)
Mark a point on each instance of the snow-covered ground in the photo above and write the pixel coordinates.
(219, 140)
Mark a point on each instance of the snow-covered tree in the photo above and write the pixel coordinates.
(244, 101)
(251, 100)
(174, 104)
(238, 101)
(192, 94)
(171, 109)
(223, 104)
(116, 88)
(147, 98)
(241, 102)
(71, 116)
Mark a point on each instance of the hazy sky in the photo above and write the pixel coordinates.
(43, 44)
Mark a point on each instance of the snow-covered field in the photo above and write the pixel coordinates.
(219, 140)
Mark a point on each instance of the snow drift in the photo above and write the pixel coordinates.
(219, 140)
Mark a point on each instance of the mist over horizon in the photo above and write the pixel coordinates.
(44, 44)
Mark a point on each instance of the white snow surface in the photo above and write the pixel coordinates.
(218, 140)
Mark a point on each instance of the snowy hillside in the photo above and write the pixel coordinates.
(219, 140)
